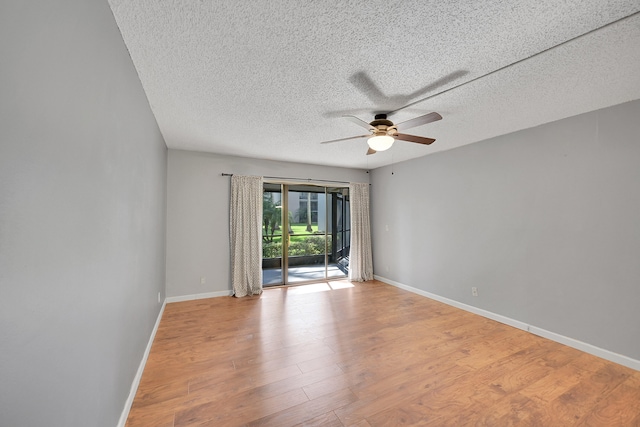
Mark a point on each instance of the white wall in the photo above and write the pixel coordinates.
(543, 221)
(198, 213)
(82, 215)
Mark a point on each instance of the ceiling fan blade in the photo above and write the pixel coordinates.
(345, 139)
(371, 151)
(414, 138)
(359, 122)
(419, 121)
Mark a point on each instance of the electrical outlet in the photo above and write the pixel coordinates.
(474, 291)
(203, 280)
(158, 296)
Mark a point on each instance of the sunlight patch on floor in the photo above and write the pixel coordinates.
(319, 287)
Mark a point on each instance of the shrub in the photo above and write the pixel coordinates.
(310, 245)
(271, 249)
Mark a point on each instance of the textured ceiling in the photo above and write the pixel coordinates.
(270, 79)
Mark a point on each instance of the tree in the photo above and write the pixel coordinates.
(271, 216)
(290, 221)
(309, 229)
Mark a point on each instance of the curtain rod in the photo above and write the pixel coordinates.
(297, 179)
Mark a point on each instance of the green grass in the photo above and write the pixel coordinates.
(299, 232)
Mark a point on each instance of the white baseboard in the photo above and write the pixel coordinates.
(138, 377)
(199, 296)
(582, 346)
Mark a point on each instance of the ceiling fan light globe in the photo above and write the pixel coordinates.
(380, 143)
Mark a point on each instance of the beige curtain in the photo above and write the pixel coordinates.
(360, 258)
(246, 235)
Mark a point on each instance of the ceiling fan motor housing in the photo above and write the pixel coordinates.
(382, 125)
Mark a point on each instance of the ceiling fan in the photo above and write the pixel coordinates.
(384, 132)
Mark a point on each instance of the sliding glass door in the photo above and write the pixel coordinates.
(272, 223)
(306, 233)
(341, 233)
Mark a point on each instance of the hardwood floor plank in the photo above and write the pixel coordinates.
(325, 420)
(320, 362)
(578, 401)
(402, 416)
(550, 387)
(514, 410)
(367, 355)
(206, 395)
(393, 391)
(618, 408)
(235, 412)
(307, 410)
(326, 386)
(560, 355)
(147, 418)
(284, 355)
(150, 391)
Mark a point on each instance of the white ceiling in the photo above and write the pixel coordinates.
(270, 79)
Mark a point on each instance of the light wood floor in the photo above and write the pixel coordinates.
(367, 355)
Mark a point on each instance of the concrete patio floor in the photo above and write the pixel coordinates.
(273, 276)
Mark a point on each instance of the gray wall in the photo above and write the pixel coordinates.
(82, 215)
(543, 221)
(198, 213)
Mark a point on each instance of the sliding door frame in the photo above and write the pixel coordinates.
(328, 217)
(285, 234)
